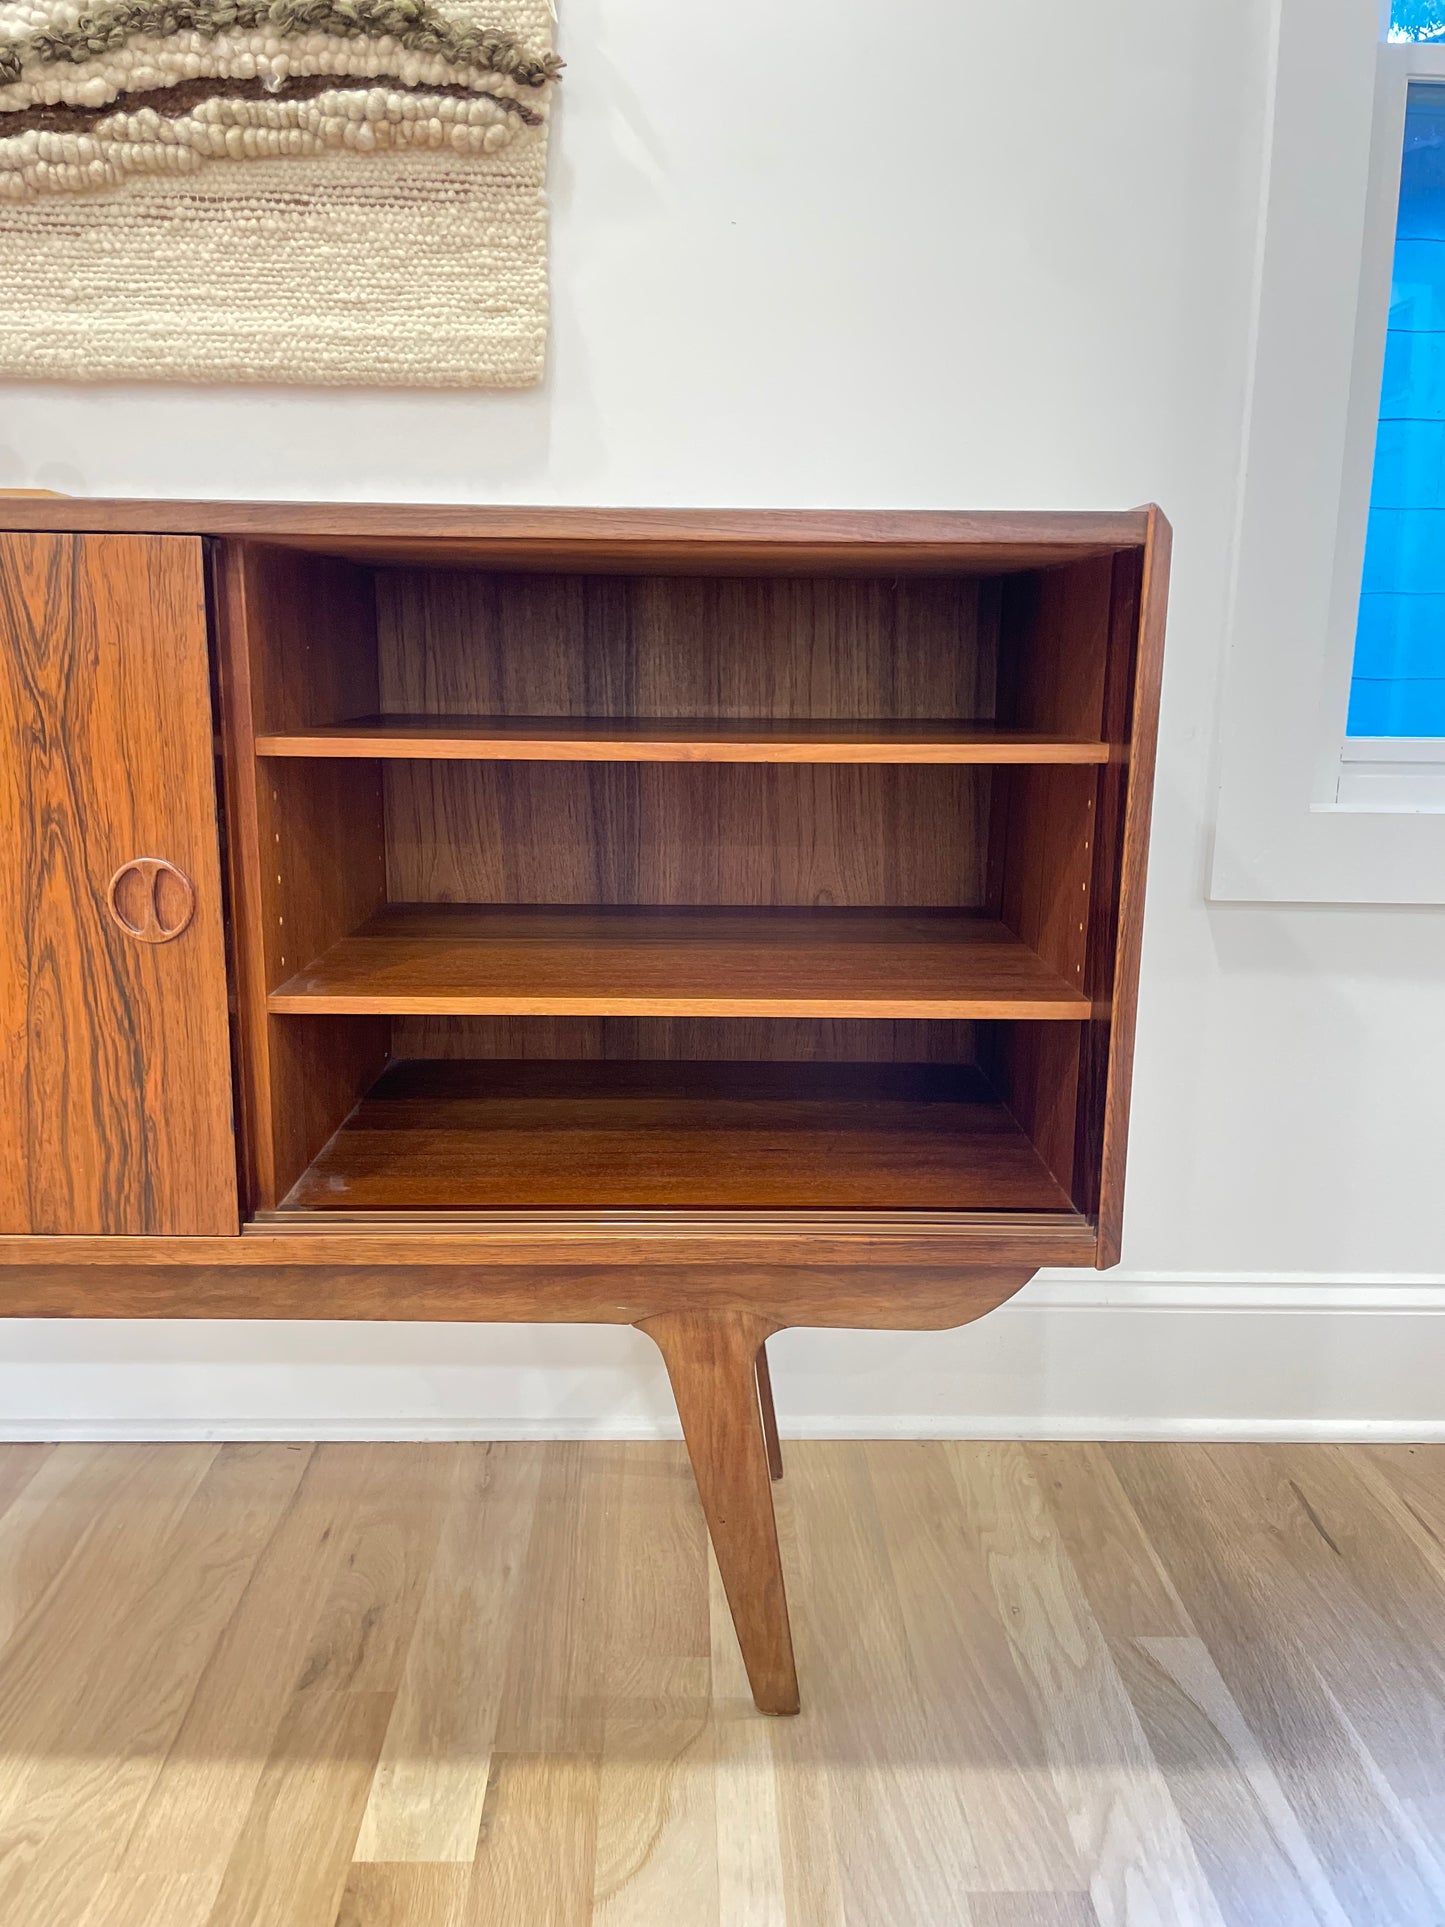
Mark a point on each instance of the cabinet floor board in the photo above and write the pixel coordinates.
(450, 1135)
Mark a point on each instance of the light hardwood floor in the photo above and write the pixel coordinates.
(446, 1685)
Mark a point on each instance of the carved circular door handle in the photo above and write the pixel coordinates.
(151, 900)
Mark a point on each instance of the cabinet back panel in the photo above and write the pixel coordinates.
(741, 834)
(772, 646)
(741, 1040)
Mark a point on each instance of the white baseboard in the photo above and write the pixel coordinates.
(1182, 1355)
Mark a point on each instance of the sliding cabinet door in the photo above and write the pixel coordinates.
(115, 1082)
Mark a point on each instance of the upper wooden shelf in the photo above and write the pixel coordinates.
(615, 739)
(467, 960)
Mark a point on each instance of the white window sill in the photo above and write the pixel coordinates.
(1400, 774)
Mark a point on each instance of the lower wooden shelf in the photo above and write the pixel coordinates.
(641, 961)
(677, 739)
(449, 1135)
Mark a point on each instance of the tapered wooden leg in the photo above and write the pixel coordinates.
(770, 1417)
(712, 1360)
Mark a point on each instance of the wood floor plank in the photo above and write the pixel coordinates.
(979, 1710)
(1138, 1861)
(382, 1894)
(45, 1522)
(291, 1861)
(100, 1542)
(196, 1809)
(18, 1466)
(1233, 1578)
(1416, 1474)
(426, 1801)
(1255, 1853)
(152, 1899)
(537, 1853)
(99, 1505)
(1408, 1483)
(904, 1842)
(557, 1664)
(1127, 1589)
(1347, 1576)
(83, 1791)
(1423, 1843)
(1033, 1910)
(1394, 1565)
(655, 1574)
(657, 1827)
(751, 1889)
(366, 1624)
(812, 1889)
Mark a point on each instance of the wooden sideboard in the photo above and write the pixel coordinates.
(712, 922)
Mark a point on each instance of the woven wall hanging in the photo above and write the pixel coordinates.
(346, 192)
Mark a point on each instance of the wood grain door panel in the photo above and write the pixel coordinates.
(115, 1078)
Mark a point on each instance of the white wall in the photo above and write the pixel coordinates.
(936, 255)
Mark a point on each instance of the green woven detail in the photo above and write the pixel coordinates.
(415, 24)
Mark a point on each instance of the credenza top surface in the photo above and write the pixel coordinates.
(461, 536)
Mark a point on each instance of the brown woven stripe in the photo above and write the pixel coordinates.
(172, 102)
(416, 24)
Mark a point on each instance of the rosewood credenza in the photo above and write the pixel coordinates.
(712, 922)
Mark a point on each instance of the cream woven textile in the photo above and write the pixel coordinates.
(338, 192)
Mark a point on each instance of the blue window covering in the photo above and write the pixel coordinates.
(1398, 687)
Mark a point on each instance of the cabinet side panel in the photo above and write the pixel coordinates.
(1141, 595)
(1053, 647)
(1035, 1070)
(115, 1086)
(1041, 860)
(297, 646)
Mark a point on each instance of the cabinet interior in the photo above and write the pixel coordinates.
(648, 888)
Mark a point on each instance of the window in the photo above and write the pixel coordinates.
(1332, 765)
(1398, 686)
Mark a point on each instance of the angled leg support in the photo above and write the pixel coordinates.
(713, 1362)
(770, 1417)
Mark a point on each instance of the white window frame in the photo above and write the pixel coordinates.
(1305, 813)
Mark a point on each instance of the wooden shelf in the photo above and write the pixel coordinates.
(676, 740)
(434, 1135)
(468, 960)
